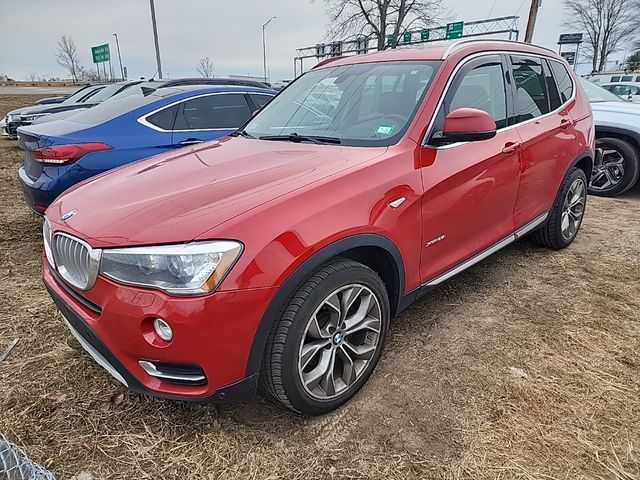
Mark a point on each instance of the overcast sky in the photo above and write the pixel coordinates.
(229, 32)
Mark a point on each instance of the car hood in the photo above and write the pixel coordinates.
(616, 107)
(178, 196)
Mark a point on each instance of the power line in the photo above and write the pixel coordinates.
(520, 7)
(492, 7)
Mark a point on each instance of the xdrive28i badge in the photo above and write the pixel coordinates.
(68, 215)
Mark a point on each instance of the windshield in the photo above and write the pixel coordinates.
(113, 108)
(83, 92)
(367, 104)
(107, 92)
(597, 94)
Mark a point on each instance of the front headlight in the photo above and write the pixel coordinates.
(13, 118)
(189, 269)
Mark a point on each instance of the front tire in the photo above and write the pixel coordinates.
(329, 338)
(565, 218)
(619, 169)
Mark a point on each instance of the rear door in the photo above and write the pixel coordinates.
(546, 129)
(210, 116)
(470, 189)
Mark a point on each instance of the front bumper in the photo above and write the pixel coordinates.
(213, 332)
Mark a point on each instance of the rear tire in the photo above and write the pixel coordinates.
(329, 338)
(565, 217)
(619, 169)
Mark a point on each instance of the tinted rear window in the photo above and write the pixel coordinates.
(165, 118)
(563, 80)
(214, 111)
(113, 108)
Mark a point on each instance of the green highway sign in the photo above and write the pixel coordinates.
(424, 35)
(454, 30)
(407, 37)
(391, 40)
(100, 53)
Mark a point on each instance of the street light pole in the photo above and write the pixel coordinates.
(264, 47)
(155, 38)
(119, 56)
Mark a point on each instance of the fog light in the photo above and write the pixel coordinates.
(163, 330)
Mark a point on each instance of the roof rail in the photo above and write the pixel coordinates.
(460, 43)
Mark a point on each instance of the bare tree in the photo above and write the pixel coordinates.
(608, 23)
(67, 56)
(205, 67)
(32, 77)
(380, 18)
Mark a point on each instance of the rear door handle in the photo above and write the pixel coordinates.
(511, 147)
(190, 141)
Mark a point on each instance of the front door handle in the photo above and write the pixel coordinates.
(511, 147)
(190, 141)
(564, 124)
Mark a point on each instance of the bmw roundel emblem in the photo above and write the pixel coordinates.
(68, 215)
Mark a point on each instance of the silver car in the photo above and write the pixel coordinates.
(617, 167)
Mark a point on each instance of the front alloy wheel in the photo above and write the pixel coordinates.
(329, 338)
(340, 339)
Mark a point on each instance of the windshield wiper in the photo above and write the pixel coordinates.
(242, 133)
(296, 138)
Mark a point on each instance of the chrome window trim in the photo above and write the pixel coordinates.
(455, 72)
(518, 234)
(143, 119)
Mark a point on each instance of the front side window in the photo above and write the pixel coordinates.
(482, 88)
(532, 98)
(563, 80)
(218, 111)
(627, 78)
(369, 104)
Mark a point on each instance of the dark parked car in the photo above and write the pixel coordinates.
(86, 98)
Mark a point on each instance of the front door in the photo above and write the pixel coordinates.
(470, 189)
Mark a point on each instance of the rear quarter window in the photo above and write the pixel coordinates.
(563, 80)
(615, 79)
(165, 118)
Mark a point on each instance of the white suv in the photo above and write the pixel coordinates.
(617, 167)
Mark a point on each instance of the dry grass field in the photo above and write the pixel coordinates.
(527, 366)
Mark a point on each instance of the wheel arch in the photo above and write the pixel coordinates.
(619, 133)
(373, 250)
(584, 162)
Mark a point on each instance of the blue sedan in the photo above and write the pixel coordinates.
(61, 153)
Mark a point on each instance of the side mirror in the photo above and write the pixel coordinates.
(467, 125)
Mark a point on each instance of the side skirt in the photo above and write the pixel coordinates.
(434, 282)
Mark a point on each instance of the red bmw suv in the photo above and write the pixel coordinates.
(278, 256)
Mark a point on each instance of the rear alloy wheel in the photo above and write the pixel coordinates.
(618, 169)
(329, 338)
(566, 214)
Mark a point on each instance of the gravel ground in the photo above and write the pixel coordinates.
(526, 366)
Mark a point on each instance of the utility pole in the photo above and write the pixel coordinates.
(264, 47)
(155, 38)
(119, 56)
(531, 24)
